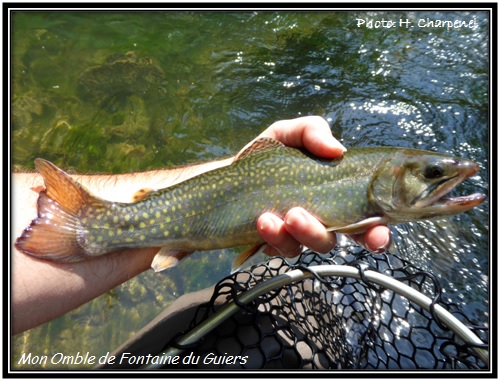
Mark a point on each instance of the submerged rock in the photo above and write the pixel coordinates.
(121, 76)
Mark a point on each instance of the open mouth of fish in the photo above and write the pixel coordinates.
(437, 198)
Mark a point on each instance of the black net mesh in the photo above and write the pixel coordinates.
(332, 323)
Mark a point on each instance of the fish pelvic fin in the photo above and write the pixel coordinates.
(56, 234)
(243, 257)
(166, 258)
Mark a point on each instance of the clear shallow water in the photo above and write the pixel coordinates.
(209, 83)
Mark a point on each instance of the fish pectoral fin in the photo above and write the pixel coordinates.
(360, 226)
(166, 258)
(141, 194)
(243, 257)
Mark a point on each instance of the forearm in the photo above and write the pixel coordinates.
(45, 290)
(123, 186)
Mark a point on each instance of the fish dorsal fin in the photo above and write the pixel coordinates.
(261, 144)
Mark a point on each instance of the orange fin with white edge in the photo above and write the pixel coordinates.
(57, 231)
(166, 258)
(243, 257)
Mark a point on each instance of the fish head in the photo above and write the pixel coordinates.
(415, 185)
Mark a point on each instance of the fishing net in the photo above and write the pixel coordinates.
(282, 316)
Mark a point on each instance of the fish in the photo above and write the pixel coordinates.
(219, 209)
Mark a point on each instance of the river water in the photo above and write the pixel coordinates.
(126, 91)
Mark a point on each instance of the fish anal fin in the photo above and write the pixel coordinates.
(141, 194)
(246, 255)
(360, 226)
(260, 144)
(167, 258)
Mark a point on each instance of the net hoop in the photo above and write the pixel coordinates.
(324, 271)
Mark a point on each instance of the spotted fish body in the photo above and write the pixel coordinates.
(219, 209)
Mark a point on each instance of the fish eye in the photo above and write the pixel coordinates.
(433, 171)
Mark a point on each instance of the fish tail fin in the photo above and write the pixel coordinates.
(57, 232)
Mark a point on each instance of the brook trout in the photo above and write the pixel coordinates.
(219, 209)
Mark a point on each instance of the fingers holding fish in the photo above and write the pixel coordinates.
(311, 132)
(288, 235)
(309, 231)
(272, 229)
(296, 229)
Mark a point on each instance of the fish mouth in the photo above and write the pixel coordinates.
(466, 202)
(438, 200)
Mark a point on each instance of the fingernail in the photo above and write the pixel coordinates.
(294, 218)
(290, 218)
(338, 144)
(266, 225)
(383, 248)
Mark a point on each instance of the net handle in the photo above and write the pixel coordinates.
(296, 275)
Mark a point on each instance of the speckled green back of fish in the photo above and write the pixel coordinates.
(219, 209)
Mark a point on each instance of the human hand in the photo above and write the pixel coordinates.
(299, 228)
